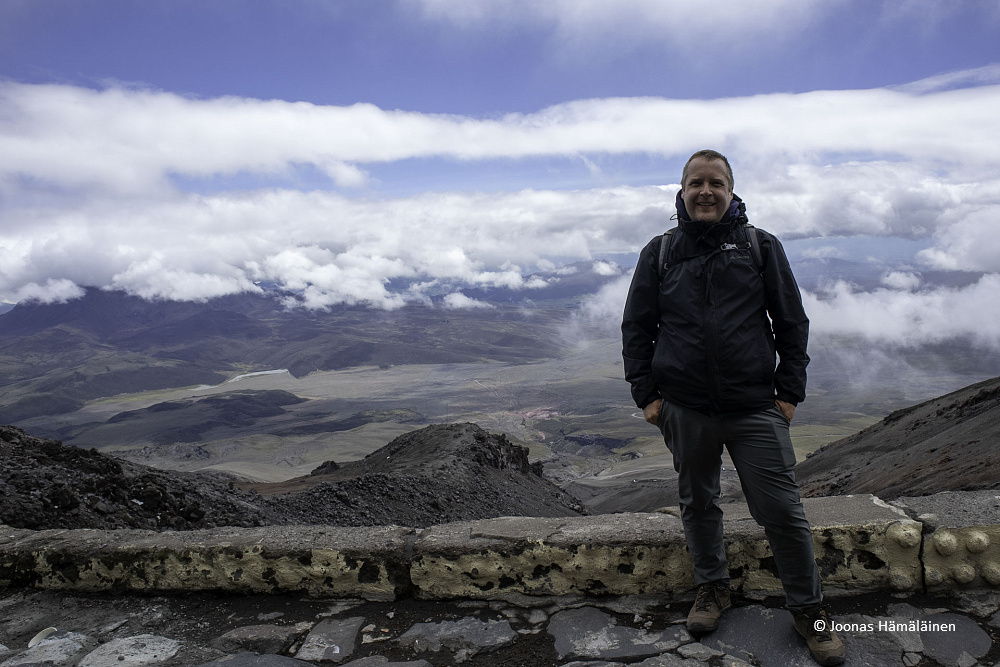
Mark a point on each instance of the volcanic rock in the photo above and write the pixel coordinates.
(45, 484)
(437, 474)
(950, 443)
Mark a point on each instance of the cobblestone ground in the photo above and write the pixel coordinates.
(41, 629)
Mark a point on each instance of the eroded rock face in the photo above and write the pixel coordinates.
(434, 475)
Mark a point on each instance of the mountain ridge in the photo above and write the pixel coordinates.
(949, 443)
(441, 473)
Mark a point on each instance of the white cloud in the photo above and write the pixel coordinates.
(151, 280)
(132, 141)
(978, 76)
(903, 314)
(603, 310)
(909, 318)
(331, 248)
(536, 282)
(88, 200)
(459, 301)
(345, 175)
(906, 198)
(53, 291)
(901, 280)
(605, 268)
(970, 242)
(900, 316)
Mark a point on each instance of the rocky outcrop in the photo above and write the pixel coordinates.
(950, 443)
(446, 472)
(45, 484)
(437, 474)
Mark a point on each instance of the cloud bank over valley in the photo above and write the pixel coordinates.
(167, 196)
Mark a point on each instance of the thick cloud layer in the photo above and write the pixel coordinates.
(129, 141)
(89, 181)
(335, 249)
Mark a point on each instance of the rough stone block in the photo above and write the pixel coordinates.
(760, 636)
(132, 652)
(58, 649)
(631, 554)
(331, 641)
(465, 638)
(590, 633)
(699, 651)
(259, 638)
(320, 561)
(962, 546)
(861, 544)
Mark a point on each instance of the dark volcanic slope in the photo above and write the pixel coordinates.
(949, 443)
(45, 484)
(437, 474)
(444, 472)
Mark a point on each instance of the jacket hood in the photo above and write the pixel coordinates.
(736, 213)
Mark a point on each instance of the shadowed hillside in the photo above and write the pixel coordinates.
(441, 473)
(950, 443)
(444, 472)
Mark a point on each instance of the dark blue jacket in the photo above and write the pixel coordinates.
(706, 337)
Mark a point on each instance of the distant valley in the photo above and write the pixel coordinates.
(246, 386)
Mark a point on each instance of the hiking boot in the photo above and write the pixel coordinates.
(815, 626)
(709, 603)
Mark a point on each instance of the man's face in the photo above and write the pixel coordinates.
(706, 191)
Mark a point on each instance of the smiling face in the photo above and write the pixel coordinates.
(706, 190)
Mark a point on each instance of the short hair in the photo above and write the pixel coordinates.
(708, 154)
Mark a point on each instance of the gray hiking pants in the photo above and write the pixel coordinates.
(761, 448)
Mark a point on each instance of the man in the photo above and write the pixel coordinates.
(705, 315)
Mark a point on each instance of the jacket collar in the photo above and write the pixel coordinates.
(737, 213)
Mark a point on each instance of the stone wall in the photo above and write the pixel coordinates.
(862, 544)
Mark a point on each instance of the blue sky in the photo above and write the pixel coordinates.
(188, 149)
(424, 57)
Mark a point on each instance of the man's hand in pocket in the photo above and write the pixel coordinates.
(651, 412)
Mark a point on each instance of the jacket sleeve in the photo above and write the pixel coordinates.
(788, 321)
(640, 324)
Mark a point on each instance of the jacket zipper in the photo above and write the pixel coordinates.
(712, 342)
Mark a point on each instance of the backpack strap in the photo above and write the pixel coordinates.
(751, 234)
(661, 266)
(758, 261)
